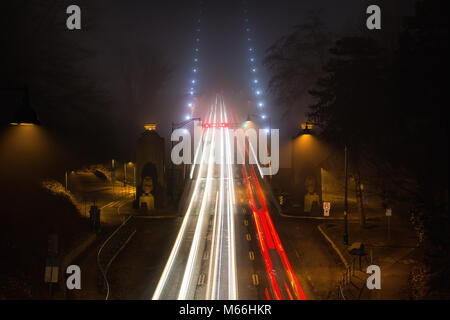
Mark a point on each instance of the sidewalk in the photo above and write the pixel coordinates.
(87, 188)
(114, 206)
(394, 256)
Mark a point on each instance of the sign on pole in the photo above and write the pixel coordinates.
(389, 215)
(326, 209)
(51, 270)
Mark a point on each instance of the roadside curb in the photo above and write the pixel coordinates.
(155, 217)
(334, 247)
(315, 218)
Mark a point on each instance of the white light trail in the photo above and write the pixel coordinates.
(232, 279)
(174, 252)
(193, 253)
(212, 198)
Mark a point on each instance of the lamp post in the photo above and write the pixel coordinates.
(174, 127)
(134, 182)
(113, 175)
(131, 164)
(345, 196)
(247, 123)
(24, 114)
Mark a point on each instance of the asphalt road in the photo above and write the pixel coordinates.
(230, 243)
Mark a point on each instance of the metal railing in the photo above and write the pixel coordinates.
(347, 276)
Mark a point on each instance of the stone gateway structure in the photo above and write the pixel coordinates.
(150, 168)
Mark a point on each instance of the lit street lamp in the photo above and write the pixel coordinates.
(307, 127)
(24, 114)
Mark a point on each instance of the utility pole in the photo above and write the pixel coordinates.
(113, 175)
(134, 181)
(345, 197)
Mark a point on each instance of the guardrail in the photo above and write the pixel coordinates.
(110, 249)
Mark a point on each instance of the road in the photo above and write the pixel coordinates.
(229, 243)
(203, 263)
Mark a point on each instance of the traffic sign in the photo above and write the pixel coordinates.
(51, 270)
(326, 208)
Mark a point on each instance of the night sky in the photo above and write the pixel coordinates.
(115, 32)
(170, 27)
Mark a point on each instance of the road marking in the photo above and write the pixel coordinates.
(109, 204)
(255, 279)
(201, 279)
(155, 217)
(206, 255)
(248, 237)
(244, 210)
(245, 222)
(251, 254)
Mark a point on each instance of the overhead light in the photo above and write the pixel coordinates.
(25, 115)
(150, 126)
(307, 127)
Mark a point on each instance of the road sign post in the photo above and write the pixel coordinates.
(52, 262)
(388, 216)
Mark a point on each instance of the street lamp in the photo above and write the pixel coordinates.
(345, 196)
(131, 164)
(178, 126)
(307, 127)
(24, 114)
